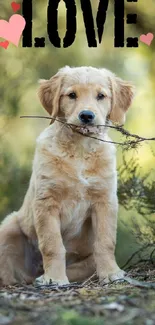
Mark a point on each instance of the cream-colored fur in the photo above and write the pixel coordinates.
(66, 227)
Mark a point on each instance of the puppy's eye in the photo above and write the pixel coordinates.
(72, 95)
(100, 96)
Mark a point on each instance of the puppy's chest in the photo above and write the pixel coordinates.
(75, 178)
(84, 172)
(82, 185)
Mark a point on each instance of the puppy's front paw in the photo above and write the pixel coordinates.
(105, 278)
(46, 280)
(119, 275)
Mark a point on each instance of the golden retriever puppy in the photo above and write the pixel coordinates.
(66, 227)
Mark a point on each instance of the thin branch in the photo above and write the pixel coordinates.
(134, 254)
(141, 284)
(151, 256)
(132, 143)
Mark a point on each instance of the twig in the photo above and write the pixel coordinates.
(140, 284)
(151, 256)
(89, 279)
(120, 129)
(57, 287)
(134, 254)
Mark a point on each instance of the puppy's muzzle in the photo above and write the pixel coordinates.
(86, 117)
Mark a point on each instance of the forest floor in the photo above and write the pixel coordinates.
(129, 302)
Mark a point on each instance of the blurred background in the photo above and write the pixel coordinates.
(20, 69)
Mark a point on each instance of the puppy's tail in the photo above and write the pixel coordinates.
(11, 251)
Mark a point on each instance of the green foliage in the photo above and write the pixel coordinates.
(71, 317)
(136, 193)
(13, 183)
(136, 190)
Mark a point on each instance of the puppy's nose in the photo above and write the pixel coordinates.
(86, 116)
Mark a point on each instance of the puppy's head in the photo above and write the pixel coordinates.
(86, 96)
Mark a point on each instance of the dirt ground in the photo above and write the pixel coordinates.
(129, 302)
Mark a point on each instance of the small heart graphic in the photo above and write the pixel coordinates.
(15, 6)
(4, 44)
(147, 39)
(12, 30)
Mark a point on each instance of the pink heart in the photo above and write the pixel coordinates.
(12, 30)
(147, 39)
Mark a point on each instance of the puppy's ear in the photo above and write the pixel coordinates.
(49, 94)
(122, 95)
